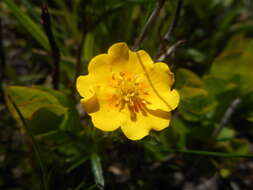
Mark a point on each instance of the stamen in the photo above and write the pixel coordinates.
(130, 91)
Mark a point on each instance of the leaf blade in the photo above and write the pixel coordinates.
(29, 24)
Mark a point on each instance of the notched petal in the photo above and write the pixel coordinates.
(83, 86)
(119, 51)
(99, 64)
(90, 105)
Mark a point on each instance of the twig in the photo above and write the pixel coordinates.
(149, 23)
(168, 35)
(174, 22)
(171, 50)
(33, 142)
(226, 117)
(46, 22)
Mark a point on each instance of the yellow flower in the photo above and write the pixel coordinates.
(127, 89)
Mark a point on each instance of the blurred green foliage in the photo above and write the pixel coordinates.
(213, 70)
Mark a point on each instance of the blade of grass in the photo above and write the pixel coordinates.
(97, 169)
(33, 142)
(76, 164)
(28, 24)
(208, 153)
(2, 64)
(2, 60)
(31, 10)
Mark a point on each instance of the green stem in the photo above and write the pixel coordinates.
(208, 153)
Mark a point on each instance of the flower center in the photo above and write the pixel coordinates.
(130, 92)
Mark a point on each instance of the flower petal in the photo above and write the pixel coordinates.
(135, 131)
(119, 57)
(107, 118)
(140, 59)
(99, 64)
(99, 74)
(160, 80)
(161, 76)
(160, 119)
(84, 86)
(119, 52)
(90, 105)
(123, 59)
(166, 101)
(100, 70)
(139, 128)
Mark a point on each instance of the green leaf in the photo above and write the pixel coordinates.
(88, 49)
(97, 169)
(28, 24)
(226, 134)
(178, 127)
(216, 85)
(234, 146)
(32, 141)
(28, 100)
(73, 121)
(38, 104)
(195, 103)
(235, 63)
(250, 117)
(196, 55)
(53, 118)
(186, 78)
(31, 9)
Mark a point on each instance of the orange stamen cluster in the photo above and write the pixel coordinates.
(130, 91)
